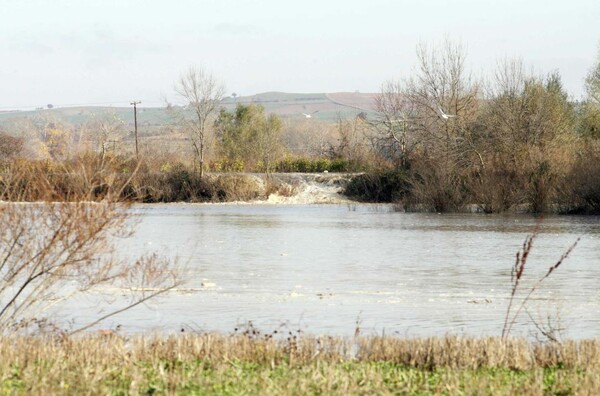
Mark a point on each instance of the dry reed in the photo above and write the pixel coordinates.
(258, 363)
(516, 275)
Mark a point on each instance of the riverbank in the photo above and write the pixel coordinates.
(94, 178)
(251, 362)
(275, 188)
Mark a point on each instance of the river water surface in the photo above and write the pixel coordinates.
(323, 268)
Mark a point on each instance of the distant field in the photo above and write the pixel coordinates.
(78, 115)
(155, 124)
(327, 107)
(358, 101)
(319, 105)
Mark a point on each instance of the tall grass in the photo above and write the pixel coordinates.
(567, 187)
(239, 364)
(518, 270)
(91, 178)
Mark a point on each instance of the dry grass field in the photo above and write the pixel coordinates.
(251, 362)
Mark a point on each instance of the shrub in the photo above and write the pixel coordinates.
(310, 165)
(581, 188)
(387, 186)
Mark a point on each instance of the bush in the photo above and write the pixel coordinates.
(227, 165)
(388, 186)
(312, 165)
(581, 190)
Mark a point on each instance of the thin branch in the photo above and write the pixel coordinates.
(128, 307)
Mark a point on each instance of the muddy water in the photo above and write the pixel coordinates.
(323, 268)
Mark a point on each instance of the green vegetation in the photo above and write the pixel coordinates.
(309, 165)
(249, 137)
(439, 140)
(241, 364)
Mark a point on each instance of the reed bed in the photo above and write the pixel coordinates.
(291, 363)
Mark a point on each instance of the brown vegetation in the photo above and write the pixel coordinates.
(10, 146)
(217, 364)
(62, 246)
(513, 142)
(517, 274)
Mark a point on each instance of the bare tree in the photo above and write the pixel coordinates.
(390, 135)
(444, 99)
(430, 112)
(202, 94)
(310, 137)
(45, 135)
(436, 109)
(352, 141)
(592, 83)
(105, 131)
(52, 251)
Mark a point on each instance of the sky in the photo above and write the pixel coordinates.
(81, 52)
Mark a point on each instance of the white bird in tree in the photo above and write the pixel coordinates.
(309, 115)
(444, 115)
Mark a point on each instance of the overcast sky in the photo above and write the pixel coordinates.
(113, 51)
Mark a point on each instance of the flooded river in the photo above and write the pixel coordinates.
(323, 268)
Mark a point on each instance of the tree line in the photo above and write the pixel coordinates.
(513, 141)
(439, 139)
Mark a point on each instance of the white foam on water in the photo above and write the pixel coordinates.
(312, 189)
(310, 194)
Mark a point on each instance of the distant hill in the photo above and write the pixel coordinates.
(322, 106)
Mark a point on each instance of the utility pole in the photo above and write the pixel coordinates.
(134, 104)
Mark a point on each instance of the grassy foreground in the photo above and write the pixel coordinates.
(259, 364)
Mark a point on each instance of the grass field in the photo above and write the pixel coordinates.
(274, 364)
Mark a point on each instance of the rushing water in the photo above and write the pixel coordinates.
(322, 268)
